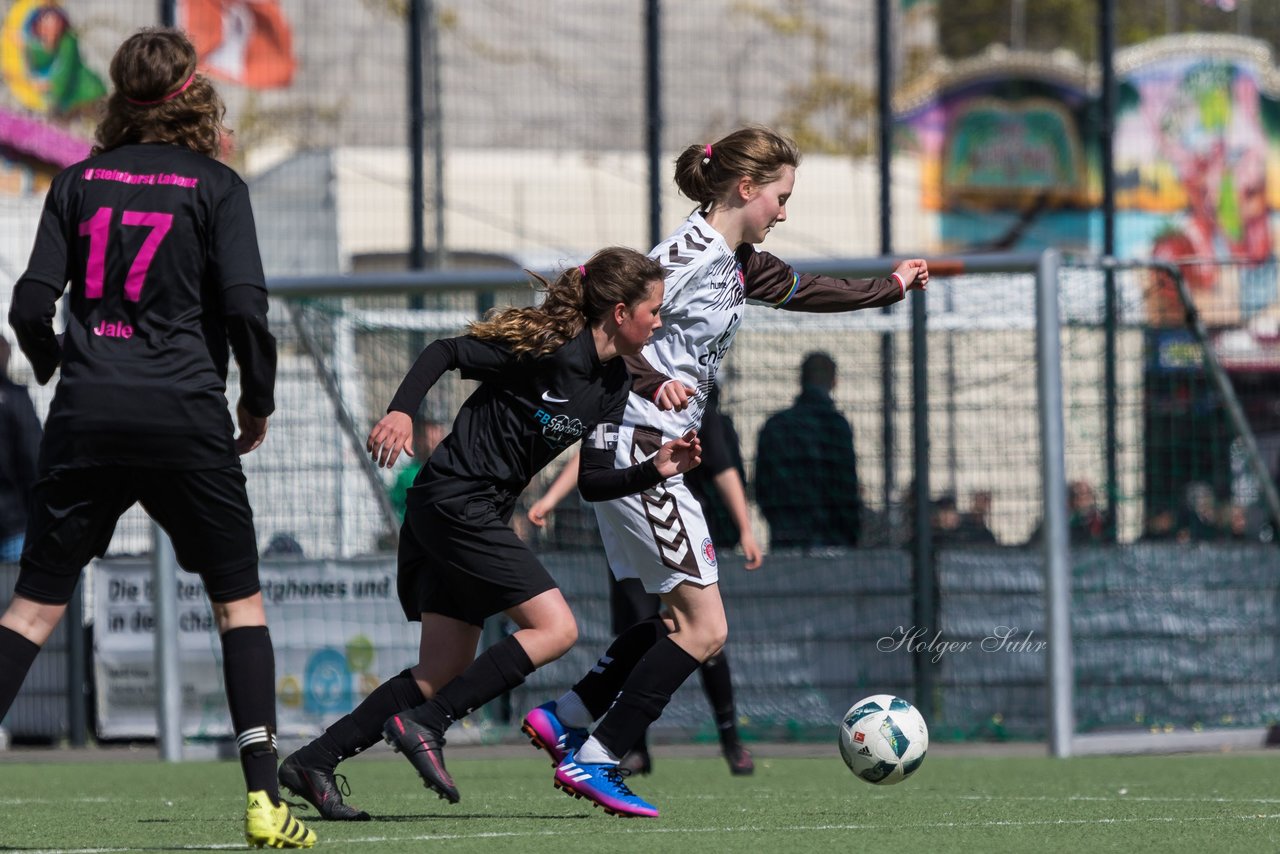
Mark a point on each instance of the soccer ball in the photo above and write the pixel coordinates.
(883, 739)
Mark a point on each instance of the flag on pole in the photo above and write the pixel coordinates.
(244, 41)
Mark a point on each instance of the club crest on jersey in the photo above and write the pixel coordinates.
(559, 430)
(709, 551)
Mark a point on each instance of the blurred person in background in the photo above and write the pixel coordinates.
(19, 448)
(806, 467)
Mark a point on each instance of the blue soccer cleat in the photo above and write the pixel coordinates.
(603, 785)
(547, 732)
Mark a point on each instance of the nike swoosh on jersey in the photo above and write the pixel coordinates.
(549, 398)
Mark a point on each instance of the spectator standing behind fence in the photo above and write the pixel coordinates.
(806, 469)
(19, 447)
(1087, 522)
(154, 241)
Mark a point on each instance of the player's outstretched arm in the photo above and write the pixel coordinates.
(770, 280)
(390, 436)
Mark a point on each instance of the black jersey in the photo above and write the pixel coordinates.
(526, 411)
(158, 245)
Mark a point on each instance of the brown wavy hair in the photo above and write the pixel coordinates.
(754, 152)
(573, 302)
(149, 67)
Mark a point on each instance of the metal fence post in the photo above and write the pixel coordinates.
(165, 612)
(1057, 558)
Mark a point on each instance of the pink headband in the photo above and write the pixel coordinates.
(706, 154)
(582, 271)
(168, 97)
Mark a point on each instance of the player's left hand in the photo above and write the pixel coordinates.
(914, 273)
(750, 550)
(679, 455)
(390, 436)
(253, 429)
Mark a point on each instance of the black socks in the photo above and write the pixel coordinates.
(17, 654)
(361, 729)
(495, 671)
(249, 668)
(600, 686)
(719, 690)
(644, 695)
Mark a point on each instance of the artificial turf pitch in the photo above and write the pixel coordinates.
(1200, 803)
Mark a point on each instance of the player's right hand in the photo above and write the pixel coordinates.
(390, 436)
(253, 429)
(674, 395)
(539, 511)
(914, 273)
(679, 455)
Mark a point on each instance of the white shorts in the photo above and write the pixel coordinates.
(658, 536)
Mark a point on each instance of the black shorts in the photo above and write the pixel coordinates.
(74, 513)
(630, 603)
(459, 558)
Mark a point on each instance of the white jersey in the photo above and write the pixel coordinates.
(702, 308)
(660, 535)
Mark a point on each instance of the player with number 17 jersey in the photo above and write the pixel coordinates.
(157, 242)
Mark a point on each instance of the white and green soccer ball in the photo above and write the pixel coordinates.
(883, 739)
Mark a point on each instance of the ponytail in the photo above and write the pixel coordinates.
(579, 297)
(707, 172)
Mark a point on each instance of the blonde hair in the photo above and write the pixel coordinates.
(706, 173)
(159, 97)
(579, 297)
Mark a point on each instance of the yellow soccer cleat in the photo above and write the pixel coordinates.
(271, 826)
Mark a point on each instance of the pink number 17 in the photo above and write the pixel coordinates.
(98, 229)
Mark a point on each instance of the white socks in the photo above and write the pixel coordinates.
(595, 753)
(571, 712)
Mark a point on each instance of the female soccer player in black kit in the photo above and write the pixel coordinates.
(550, 376)
(157, 241)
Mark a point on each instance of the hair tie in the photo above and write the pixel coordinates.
(582, 271)
(168, 97)
(706, 154)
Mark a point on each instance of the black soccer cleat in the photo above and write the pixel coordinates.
(317, 784)
(424, 748)
(739, 758)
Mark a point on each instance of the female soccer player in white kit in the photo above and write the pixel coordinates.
(742, 184)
